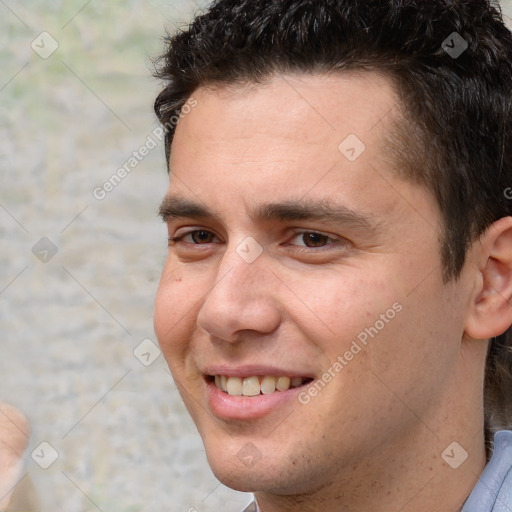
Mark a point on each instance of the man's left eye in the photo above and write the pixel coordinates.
(312, 239)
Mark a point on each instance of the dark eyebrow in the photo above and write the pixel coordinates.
(179, 207)
(316, 210)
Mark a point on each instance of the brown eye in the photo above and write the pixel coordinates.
(315, 239)
(195, 237)
(305, 240)
(201, 236)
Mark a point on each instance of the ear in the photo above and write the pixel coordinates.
(491, 307)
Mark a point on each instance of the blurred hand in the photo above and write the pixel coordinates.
(14, 435)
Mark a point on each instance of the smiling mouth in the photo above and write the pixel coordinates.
(256, 385)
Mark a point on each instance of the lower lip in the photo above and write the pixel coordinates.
(230, 407)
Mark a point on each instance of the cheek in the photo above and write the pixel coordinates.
(345, 304)
(376, 320)
(412, 355)
(174, 315)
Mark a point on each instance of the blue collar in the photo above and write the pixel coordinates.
(493, 491)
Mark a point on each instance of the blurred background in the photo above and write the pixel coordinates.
(81, 253)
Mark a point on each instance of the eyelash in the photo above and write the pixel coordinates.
(178, 239)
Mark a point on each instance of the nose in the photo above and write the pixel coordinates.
(242, 299)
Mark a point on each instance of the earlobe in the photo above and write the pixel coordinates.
(491, 310)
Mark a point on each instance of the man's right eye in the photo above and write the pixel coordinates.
(197, 237)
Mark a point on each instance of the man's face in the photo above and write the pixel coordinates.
(306, 258)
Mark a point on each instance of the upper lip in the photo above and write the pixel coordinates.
(254, 370)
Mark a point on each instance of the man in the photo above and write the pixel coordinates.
(337, 299)
(336, 303)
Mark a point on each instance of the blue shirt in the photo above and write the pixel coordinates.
(493, 491)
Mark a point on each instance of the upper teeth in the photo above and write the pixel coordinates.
(252, 386)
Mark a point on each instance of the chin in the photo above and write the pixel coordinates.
(279, 481)
(226, 463)
(242, 483)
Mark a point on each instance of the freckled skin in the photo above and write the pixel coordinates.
(406, 388)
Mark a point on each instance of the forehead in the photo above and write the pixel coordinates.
(297, 112)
